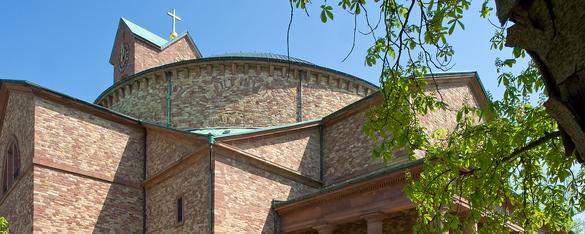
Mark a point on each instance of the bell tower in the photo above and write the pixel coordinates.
(137, 49)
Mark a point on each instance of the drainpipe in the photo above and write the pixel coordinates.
(143, 188)
(211, 141)
(275, 217)
(169, 100)
(321, 153)
(301, 96)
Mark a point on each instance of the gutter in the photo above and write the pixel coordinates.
(169, 100)
(321, 153)
(301, 96)
(144, 188)
(210, 189)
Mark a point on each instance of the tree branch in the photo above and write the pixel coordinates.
(533, 144)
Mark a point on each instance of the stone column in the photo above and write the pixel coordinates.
(374, 222)
(325, 228)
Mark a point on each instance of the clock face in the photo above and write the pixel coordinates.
(123, 61)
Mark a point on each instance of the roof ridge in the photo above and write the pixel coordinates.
(144, 33)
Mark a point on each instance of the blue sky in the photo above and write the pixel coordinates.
(66, 45)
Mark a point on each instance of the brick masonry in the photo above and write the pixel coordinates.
(144, 55)
(17, 207)
(249, 191)
(68, 203)
(17, 123)
(212, 94)
(297, 150)
(192, 183)
(148, 56)
(162, 150)
(348, 157)
(347, 152)
(74, 138)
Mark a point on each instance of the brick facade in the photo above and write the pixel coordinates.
(73, 138)
(165, 149)
(17, 207)
(297, 150)
(214, 94)
(250, 191)
(347, 151)
(17, 123)
(148, 56)
(143, 54)
(120, 165)
(192, 183)
(69, 203)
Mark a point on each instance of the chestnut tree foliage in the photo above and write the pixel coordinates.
(506, 162)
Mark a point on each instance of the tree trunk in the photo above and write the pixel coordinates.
(553, 34)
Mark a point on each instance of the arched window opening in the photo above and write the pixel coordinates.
(10, 170)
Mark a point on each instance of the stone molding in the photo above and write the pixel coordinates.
(344, 193)
(325, 228)
(374, 217)
(272, 131)
(90, 174)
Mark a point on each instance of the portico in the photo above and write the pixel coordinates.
(372, 203)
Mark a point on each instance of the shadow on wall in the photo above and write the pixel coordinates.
(100, 149)
(309, 166)
(122, 210)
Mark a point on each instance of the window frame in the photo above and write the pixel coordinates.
(10, 176)
(176, 204)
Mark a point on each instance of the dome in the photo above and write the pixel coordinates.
(259, 55)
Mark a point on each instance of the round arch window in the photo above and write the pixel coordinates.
(11, 166)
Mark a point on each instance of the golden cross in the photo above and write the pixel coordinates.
(175, 17)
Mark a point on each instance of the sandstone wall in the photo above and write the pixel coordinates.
(249, 191)
(81, 140)
(18, 124)
(18, 121)
(17, 207)
(241, 93)
(162, 150)
(87, 170)
(457, 96)
(69, 203)
(347, 152)
(124, 35)
(192, 184)
(148, 56)
(297, 150)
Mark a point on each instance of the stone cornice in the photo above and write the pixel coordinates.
(336, 192)
(204, 65)
(90, 174)
(269, 131)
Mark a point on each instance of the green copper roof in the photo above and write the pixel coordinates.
(145, 34)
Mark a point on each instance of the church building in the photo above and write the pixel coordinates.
(182, 143)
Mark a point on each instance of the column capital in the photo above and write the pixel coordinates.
(325, 228)
(375, 216)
